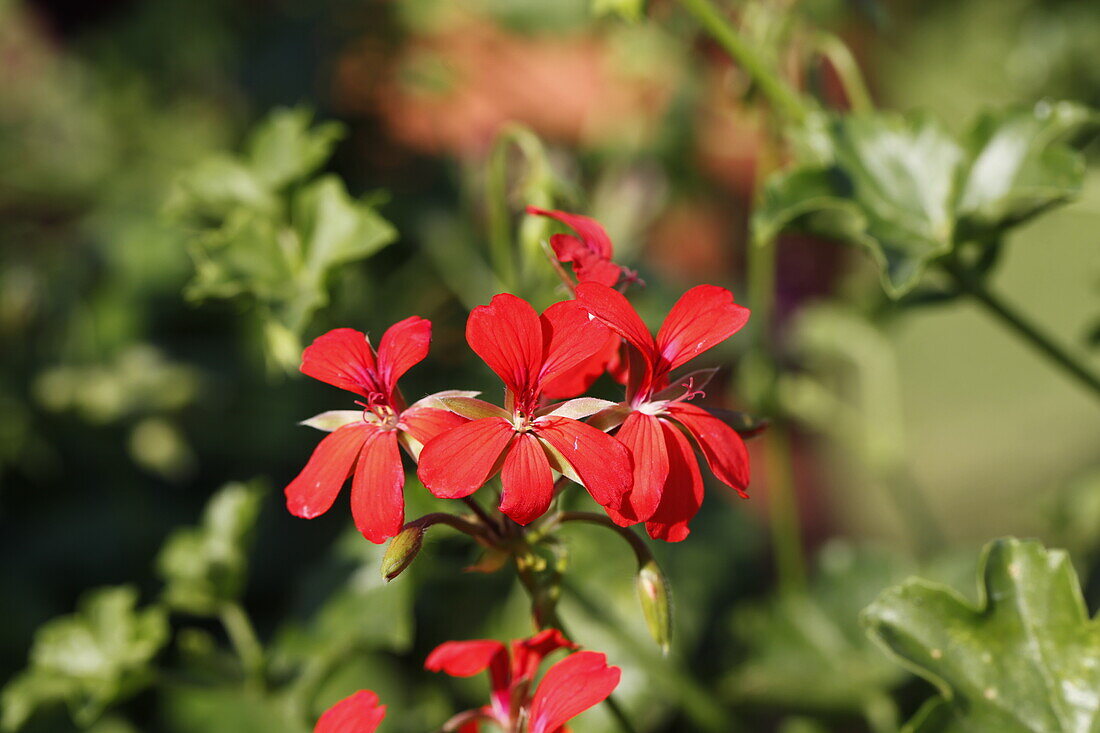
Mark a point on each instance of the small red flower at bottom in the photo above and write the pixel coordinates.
(358, 713)
(569, 687)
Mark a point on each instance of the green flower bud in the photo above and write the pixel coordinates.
(653, 594)
(403, 549)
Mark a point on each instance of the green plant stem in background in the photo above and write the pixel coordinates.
(243, 637)
(786, 526)
(1029, 332)
(844, 63)
(500, 229)
(786, 100)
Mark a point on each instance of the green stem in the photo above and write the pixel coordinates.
(786, 526)
(844, 63)
(243, 637)
(779, 93)
(500, 230)
(1028, 331)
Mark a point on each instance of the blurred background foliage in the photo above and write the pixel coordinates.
(141, 371)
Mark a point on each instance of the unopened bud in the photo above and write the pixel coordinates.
(403, 549)
(653, 594)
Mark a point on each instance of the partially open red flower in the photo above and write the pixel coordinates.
(589, 252)
(668, 488)
(363, 444)
(569, 687)
(358, 713)
(527, 442)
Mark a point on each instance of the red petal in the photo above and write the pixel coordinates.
(527, 479)
(527, 654)
(721, 445)
(467, 658)
(643, 437)
(458, 462)
(567, 247)
(403, 345)
(378, 488)
(590, 231)
(576, 381)
(612, 307)
(571, 336)
(570, 687)
(358, 713)
(702, 318)
(602, 463)
(342, 358)
(424, 423)
(312, 492)
(595, 270)
(683, 492)
(507, 335)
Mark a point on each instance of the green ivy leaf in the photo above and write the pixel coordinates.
(1026, 659)
(88, 660)
(909, 193)
(807, 650)
(204, 567)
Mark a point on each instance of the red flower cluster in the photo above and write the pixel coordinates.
(568, 688)
(571, 686)
(635, 458)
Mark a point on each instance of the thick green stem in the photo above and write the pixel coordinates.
(245, 642)
(785, 99)
(500, 229)
(1028, 331)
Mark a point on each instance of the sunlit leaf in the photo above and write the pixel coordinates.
(1022, 164)
(909, 193)
(626, 9)
(286, 147)
(1026, 658)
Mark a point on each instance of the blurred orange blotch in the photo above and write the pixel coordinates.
(450, 92)
(692, 241)
(729, 135)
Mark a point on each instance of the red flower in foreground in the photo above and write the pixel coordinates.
(525, 442)
(358, 713)
(568, 688)
(364, 444)
(668, 488)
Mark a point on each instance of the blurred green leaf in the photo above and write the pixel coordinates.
(204, 567)
(89, 659)
(192, 709)
(807, 650)
(285, 147)
(266, 232)
(1026, 658)
(1021, 164)
(905, 190)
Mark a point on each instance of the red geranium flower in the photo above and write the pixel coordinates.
(358, 713)
(364, 444)
(668, 488)
(568, 688)
(525, 442)
(590, 253)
